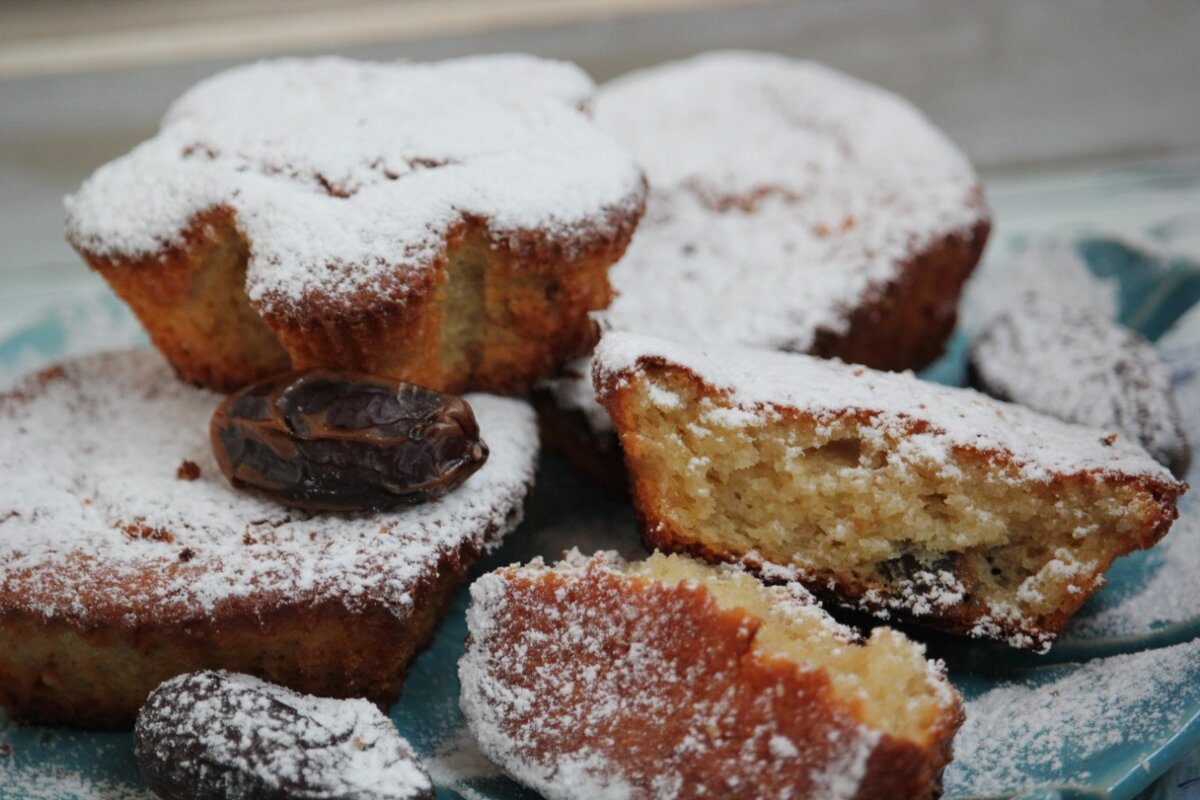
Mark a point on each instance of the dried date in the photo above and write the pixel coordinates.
(226, 736)
(332, 441)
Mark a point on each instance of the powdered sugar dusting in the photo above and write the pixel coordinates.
(1045, 267)
(346, 175)
(783, 191)
(784, 195)
(1020, 736)
(1079, 365)
(247, 736)
(1168, 593)
(49, 783)
(842, 776)
(758, 381)
(458, 759)
(91, 489)
(589, 666)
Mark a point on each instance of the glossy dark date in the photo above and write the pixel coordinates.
(332, 441)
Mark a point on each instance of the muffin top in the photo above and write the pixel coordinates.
(348, 177)
(114, 505)
(935, 422)
(784, 195)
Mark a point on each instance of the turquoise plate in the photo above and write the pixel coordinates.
(1102, 715)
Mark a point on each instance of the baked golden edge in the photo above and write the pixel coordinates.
(57, 670)
(192, 301)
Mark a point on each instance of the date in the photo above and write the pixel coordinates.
(332, 441)
(226, 736)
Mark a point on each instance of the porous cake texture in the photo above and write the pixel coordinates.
(878, 490)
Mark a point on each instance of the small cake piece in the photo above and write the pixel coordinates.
(878, 490)
(791, 207)
(225, 736)
(1079, 365)
(126, 557)
(674, 679)
(450, 224)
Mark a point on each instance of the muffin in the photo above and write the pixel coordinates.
(792, 207)
(127, 558)
(450, 224)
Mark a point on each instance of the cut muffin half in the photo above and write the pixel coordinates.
(877, 490)
(675, 678)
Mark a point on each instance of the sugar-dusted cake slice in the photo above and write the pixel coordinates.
(879, 490)
(674, 678)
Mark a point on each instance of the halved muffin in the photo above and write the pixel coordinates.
(671, 677)
(878, 490)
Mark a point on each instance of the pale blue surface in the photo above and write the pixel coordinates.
(565, 511)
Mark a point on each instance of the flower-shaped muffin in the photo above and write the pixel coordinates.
(126, 557)
(450, 224)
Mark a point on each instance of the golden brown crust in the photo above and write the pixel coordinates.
(59, 671)
(694, 637)
(964, 617)
(191, 298)
(490, 315)
(905, 324)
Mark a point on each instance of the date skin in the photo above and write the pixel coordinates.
(216, 735)
(323, 440)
